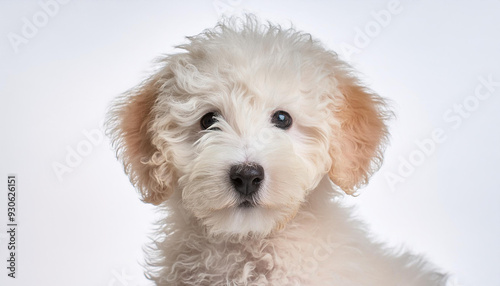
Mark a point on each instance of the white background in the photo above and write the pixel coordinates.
(88, 226)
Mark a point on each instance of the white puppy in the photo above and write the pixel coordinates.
(251, 133)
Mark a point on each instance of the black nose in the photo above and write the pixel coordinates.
(246, 178)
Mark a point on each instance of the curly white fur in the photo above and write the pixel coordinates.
(297, 233)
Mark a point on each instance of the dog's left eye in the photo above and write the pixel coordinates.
(208, 120)
(282, 119)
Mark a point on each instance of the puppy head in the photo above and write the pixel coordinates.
(244, 124)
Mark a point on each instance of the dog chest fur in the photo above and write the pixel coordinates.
(317, 247)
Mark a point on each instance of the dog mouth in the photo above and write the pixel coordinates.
(248, 203)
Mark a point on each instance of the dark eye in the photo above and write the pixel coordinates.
(282, 119)
(208, 120)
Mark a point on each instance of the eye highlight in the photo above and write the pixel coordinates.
(208, 120)
(282, 119)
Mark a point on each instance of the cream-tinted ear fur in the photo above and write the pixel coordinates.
(129, 121)
(360, 132)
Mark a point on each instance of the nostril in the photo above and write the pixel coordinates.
(237, 181)
(256, 181)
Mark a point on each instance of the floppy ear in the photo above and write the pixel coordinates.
(129, 126)
(360, 132)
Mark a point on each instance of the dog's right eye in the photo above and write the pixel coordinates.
(208, 120)
(282, 119)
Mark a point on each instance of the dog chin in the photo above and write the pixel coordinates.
(244, 220)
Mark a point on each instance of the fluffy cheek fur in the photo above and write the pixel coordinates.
(207, 192)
